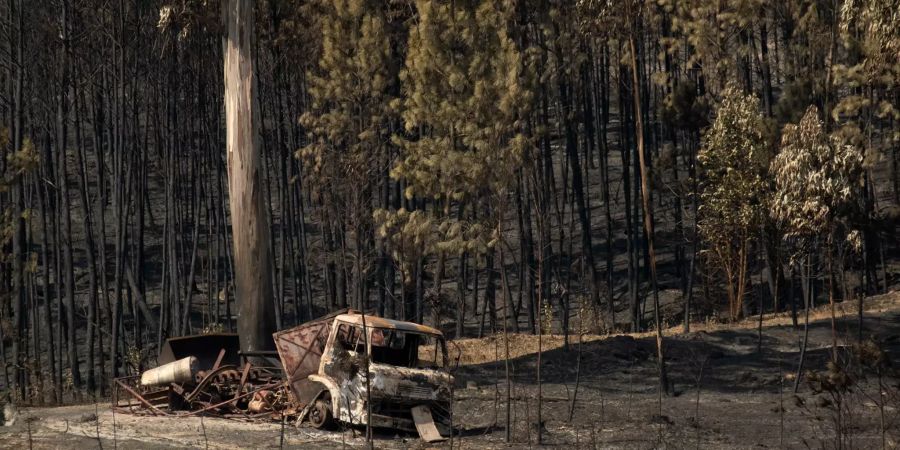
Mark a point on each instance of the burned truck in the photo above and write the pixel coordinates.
(409, 387)
(348, 367)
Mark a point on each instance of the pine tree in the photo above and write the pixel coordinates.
(465, 97)
(13, 217)
(717, 37)
(870, 31)
(349, 122)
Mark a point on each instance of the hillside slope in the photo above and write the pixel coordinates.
(727, 394)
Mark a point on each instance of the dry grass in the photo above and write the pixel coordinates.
(487, 349)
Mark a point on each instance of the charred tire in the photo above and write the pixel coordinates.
(320, 416)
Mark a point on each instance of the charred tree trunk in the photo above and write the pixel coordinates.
(63, 184)
(19, 297)
(582, 202)
(648, 215)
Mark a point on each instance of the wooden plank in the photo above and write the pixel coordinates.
(425, 424)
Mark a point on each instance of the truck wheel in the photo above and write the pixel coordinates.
(320, 414)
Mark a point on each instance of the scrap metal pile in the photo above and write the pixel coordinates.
(319, 373)
(189, 382)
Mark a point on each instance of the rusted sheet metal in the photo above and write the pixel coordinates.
(156, 396)
(301, 348)
(244, 375)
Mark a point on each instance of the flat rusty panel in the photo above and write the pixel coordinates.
(300, 348)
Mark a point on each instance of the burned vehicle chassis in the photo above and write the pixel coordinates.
(325, 364)
(329, 369)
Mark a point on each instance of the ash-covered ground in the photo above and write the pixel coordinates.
(727, 393)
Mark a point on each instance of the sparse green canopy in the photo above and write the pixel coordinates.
(732, 163)
(416, 233)
(815, 178)
(870, 30)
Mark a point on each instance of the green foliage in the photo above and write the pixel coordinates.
(796, 96)
(293, 30)
(183, 17)
(546, 317)
(870, 30)
(348, 122)
(414, 234)
(464, 100)
(732, 161)
(350, 112)
(816, 177)
(7, 230)
(22, 161)
(879, 22)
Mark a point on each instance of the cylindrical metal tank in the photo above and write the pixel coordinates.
(179, 371)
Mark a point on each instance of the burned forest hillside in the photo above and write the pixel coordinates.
(542, 169)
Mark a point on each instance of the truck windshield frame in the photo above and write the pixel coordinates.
(395, 347)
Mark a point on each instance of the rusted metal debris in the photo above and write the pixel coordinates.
(319, 377)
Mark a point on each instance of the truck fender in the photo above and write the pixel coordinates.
(333, 389)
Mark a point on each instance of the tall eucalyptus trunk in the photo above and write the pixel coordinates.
(249, 223)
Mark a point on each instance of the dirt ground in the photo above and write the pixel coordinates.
(726, 394)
